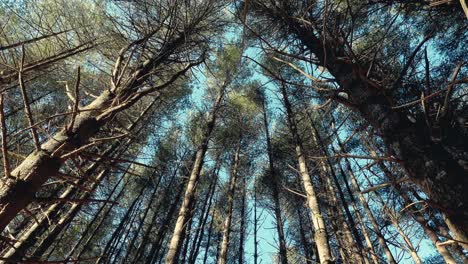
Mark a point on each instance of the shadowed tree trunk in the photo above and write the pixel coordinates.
(275, 182)
(436, 166)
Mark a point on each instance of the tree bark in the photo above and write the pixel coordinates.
(45, 163)
(230, 204)
(367, 209)
(437, 167)
(184, 214)
(321, 237)
(283, 255)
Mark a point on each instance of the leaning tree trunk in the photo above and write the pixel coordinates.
(417, 215)
(184, 214)
(44, 163)
(438, 167)
(164, 226)
(356, 251)
(321, 236)
(306, 247)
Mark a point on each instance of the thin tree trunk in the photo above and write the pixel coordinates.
(242, 222)
(255, 227)
(188, 231)
(321, 237)
(184, 214)
(305, 245)
(367, 209)
(417, 216)
(119, 228)
(230, 204)
(275, 181)
(360, 220)
(142, 220)
(210, 194)
(208, 243)
(122, 240)
(96, 216)
(165, 225)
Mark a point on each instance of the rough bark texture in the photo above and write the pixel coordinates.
(438, 167)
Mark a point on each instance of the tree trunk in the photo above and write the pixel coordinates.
(184, 214)
(201, 227)
(45, 163)
(367, 209)
(142, 221)
(321, 237)
(437, 167)
(208, 243)
(283, 255)
(308, 254)
(165, 225)
(255, 227)
(242, 222)
(119, 228)
(230, 204)
(354, 245)
(417, 215)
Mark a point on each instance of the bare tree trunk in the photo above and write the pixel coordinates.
(412, 143)
(188, 232)
(210, 194)
(275, 181)
(360, 220)
(230, 204)
(321, 237)
(142, 221)
(367, 209)
(208, 243)
(308, 254)
(46, 162)
(242, 222)
(165, 225)
(114, 254)
(119, 228)
(354, 245)
(255, 227)
(184, 214)
(417, 215)
(96, 216)
(141, 248)
(393, 219)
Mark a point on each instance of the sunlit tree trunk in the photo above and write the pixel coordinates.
(184, 214)
(321, 237)
(230, 205)
(205, 213)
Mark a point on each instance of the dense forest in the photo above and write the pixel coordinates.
(216, 131)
